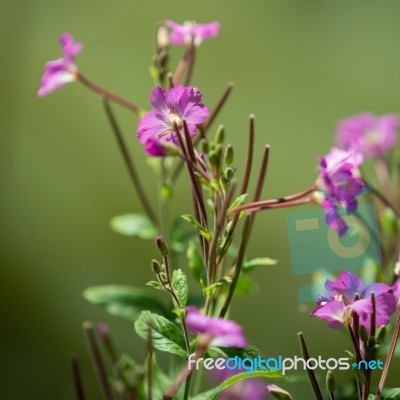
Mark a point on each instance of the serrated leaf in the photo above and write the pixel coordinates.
(134, 225)
(165, 335)
(238, 201)
(180, 286)
(392, 394)
(213, 393)
(203, 231)
(250, 265)
(123, 301)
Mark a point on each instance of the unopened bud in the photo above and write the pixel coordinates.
(204, 146)
(162, 37)
(229, 173)
(220, 135)
(156, 266)
(381, 334)
(161, 245)
(279, 393)
(330, 382)
(215, 155)
(364, 333)
(229, 154)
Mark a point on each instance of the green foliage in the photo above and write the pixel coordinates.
(134, 225)
(392, 394)
(155, 284)
(238, 201)
(203, 231)
(165, 335)
(229, 352)
(195, 261)
(123, 301)
(180, 286)
(213, 393)
(359, 374)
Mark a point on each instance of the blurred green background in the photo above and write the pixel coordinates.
(299, 65)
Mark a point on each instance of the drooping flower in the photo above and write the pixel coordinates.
(340, 183)
(368, 134)
(279, 393)
(249, 389)
(348, 293)
(217, 332)
(59, 72)
(157, 127)
(189, 31)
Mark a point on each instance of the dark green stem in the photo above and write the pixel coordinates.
(76, 376)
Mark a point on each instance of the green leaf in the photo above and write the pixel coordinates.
(195, 261)
(180, 286)
(213, 393)
(203, 231)
(134, 225)
(392, 394)
(165, 335)
(238, 201)
(155, 284)
(258, 262)
(210, 290)
(230, 352)
(123, 301)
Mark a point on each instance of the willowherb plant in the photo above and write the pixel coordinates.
(175, 135)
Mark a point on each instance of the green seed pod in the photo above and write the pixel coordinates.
(215, 155)
(330, 382)
(204, 146)
(229, 173)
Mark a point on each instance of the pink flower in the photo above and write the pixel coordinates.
(340, 184)
(368, 134)
(221, 332)
(186, 33)
(59, 72)
(157, 127)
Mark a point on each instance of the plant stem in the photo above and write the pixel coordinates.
(238, 268)
(76, 375)
(384, 200)
(190, 65)
(389, 358)
(109, 95)
(130, 164)
(311, 374)
(279, 202)
(150, 363)
(97, 360)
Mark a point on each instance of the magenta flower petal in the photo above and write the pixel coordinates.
(368, 134)
(59, 72)
(169, 110)
(223, 332)
(155, 148)
(348, 285)
(396, 290)
(332, 312)
(186, 33)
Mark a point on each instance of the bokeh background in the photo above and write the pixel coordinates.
(299, 65)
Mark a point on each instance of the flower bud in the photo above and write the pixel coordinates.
(215, 155)
(156, 266)
(229, 173)
(381, 334)
(364, 333)
(161, 245)
(220, 135)
(229, 154)
(330, 382)
(279, 393)
(204, 146)
(162, 37)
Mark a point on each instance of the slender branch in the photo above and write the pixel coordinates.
(150, 363)
(388, 358)
(274, 202)
(109, 95)
(238, 268)
(129, 163)
(190, 64)
(310, 372)
(383, 199)
(76, 375)
(97, 360)
(355, 344)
